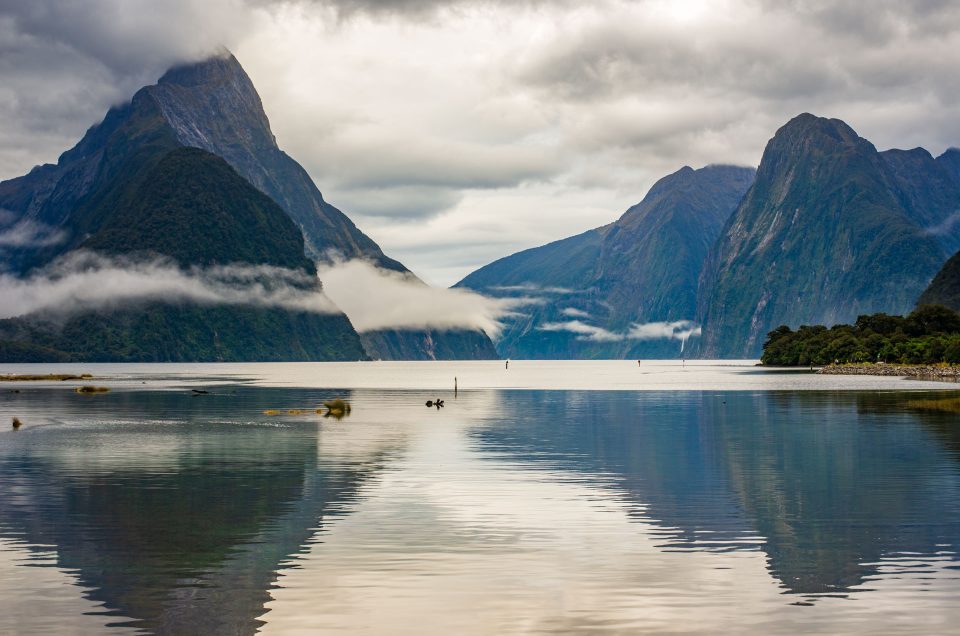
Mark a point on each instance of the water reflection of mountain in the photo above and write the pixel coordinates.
(182, 530)
(824, 487)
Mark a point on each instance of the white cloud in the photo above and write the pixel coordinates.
(681, 330)
(372, 298)
(86, 281)
(573, 312)
(676, 330)
(375, 299)
(585, 331)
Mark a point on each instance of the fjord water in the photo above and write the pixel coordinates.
(702, 498)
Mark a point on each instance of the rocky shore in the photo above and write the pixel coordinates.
(907, 370)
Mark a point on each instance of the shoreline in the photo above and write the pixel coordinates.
(929, 371)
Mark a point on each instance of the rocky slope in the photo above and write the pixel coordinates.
(597, 286)
(830, 229)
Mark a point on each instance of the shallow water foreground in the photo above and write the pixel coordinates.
(150, 510)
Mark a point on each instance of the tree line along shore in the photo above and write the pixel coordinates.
(925, 342)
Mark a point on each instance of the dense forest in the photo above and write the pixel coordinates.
(929, 335)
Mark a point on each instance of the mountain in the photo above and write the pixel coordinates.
(211, 105)
(944, 289)
(596, 287)
(830, 229)
(157, 198)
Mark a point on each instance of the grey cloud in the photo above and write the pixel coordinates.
(609, 59)
(450, 164)
(130, 36)
(412, 9)
(62, 64)
(875, 19)
(410, 203)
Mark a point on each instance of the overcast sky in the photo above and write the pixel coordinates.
(458, 132)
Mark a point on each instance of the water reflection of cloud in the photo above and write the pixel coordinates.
(459, 538)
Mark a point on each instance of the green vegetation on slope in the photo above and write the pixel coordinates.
(162, 332)
(929, 335)
(192, 206)
(944, 289)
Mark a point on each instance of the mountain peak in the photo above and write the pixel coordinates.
(679, 183)
(951, 161)
(811, 126)
(220, 66)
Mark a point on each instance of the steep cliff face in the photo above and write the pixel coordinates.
(830, 229)
(598, 286)
(211, 105)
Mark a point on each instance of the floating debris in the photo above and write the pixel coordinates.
(89, 388)
(337, 408)
(200, 392)
(54, 377)
(271, 412)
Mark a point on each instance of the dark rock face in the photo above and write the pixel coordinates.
(642, 268)
(830, 229)
(211, 105)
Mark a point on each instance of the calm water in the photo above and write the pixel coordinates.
(688, 499)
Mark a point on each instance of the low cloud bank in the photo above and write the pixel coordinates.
(84, 281)
(377, 299)
(372, 298)
(680, 330)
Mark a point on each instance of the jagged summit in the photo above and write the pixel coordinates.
(830, 229)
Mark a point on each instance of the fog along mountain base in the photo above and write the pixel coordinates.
(128, 187)
(829, 229)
